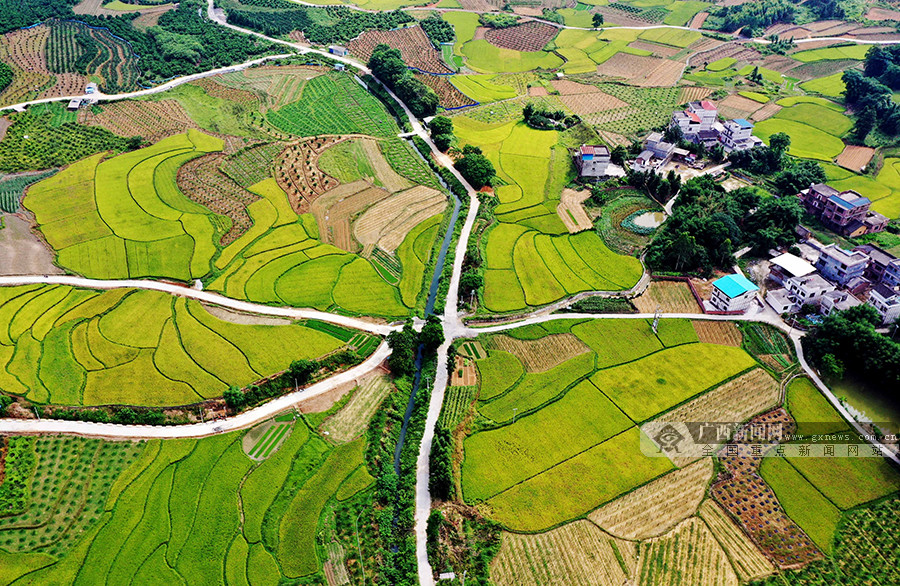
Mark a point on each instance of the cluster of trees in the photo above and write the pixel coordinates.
(788, 175)
(543, 118)
(16, 14)
(405, 344)
(321, 26)
(449, 178)
(498, 20)
(846, 344)
(120, 415)
(709, 224)
(475, 167)
(871, 92)
(299, 373)
(656, 187)
(388, 66)
(441, 129)
(754, 17)
(20, 461)
(6, 75)
(438, 30)
(182, 43)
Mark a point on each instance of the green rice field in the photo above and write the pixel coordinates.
(185, 511)
(70, 346)
(548, 447)
(831, 86)
(808, 142)
(530, 259)
(481, 88)
(832, 53)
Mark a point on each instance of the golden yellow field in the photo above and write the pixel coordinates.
(669, 296)
(654, 508)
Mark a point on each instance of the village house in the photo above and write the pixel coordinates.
(781, 301)
(837, 301)
(737, 135)
(891, 276)
(845, 212)
(733, 293)
(698, 117)
(338, 50)
(808, 289)
(786, 266)
(879, 260)
(886, 301)
(592, 160)
(841, 266)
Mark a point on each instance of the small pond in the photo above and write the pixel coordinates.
(649, 219)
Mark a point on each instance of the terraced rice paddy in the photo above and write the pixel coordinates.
(71, 346)
(198, 511)
(566, 426)
(531, 259)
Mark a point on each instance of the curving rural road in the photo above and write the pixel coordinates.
(204, 296)
(241, 421)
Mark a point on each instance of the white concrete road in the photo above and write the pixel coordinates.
(241, 421)
(204, 296)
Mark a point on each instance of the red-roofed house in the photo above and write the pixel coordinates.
(592, 160)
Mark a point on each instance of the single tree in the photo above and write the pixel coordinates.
(597, 20)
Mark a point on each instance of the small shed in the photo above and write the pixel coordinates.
(339, 67)
(74, 103)
(338, 50)
(91, 88)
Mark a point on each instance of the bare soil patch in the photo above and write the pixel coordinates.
(530, 36)
(735, 106)
(571, 210)
(21, 251)
(386, 223)
(334, 208)
(698, 19)
(464, 373)
(538, 90)
(767, 111)
(855, 157)
(588, 103)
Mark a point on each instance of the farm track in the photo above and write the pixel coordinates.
(453, 325)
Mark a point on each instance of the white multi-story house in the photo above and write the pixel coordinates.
(808, 289)
(733, 293)
(886, 300)
(592, 160)
(698, 117)
(841, 266)
(837, 301)
(737, 135)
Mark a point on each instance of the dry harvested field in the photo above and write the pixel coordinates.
(572, 212)
(739, 52)
(746, 497)
(735, 106)
(415, 48)
(464, 373)
(529, 36)
(652, 509)
(93, 7)
(588, 103)
(855, 158)
(724, 333)
(479, 5)
(576, 554)
(882, 14)
(610, 115)
(21, 251)
(543, 354)
(449, 96)
(689, 554)
(201, 180)
(333, 210)
(657, 50)
(669, 296)
(567, 87)
(642, 71)
(526, 11)
(613, 139)
(298, 174)
(150, 17)
(151, 120)
(698, 19)
(386, 223)
(746, 559)
(735, 401)
(766, 112)
(779, 63)
(538, 90)
(353, 418)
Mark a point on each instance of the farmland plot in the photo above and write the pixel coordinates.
(577, 553)
(412, 42)
(153, 121)
(209, 504)
(749, 563)
(655, 508)
(72, 346)
(353, 418)
(529, 36)
(541, 355)
(689, 553)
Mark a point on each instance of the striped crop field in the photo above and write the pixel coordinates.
(69, 346)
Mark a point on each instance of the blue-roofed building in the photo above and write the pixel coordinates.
(845, 212)
(733, 293)
(737, 135)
